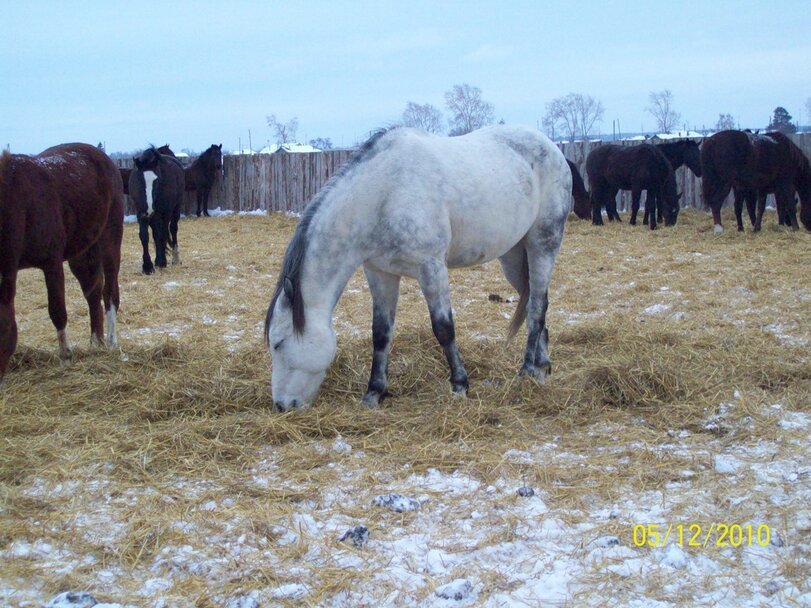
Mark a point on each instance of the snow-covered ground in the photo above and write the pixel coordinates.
(447, 539)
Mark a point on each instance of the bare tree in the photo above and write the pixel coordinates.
(322, 143)
(725, 121)
(424, 116)
(285, 131)
(468, 110)
(574, 115)
(661, 108)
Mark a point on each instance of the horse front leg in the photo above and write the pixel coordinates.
(143, 233)
(206, 192)
(636, 196)
(385, 290)
(55, 284)
(433, 279)
(160, 230)
(757, 224)
(8, 324)
(611, 207)
(655, 201)
(596, 207)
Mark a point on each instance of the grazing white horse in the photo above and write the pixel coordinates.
(414, 204)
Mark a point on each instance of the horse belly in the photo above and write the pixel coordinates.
(488, 230)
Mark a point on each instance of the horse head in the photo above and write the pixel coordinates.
(692, 156)
(149, 160)
(301, 352)
(166, 150)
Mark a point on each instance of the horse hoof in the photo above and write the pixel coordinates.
(96, 342)
(719, 229)
(148, 269)
(372, 399)
(459, 390)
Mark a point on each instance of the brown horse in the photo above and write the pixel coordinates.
(636, 168)
(582, 205)
(63, 204)
(755, 165)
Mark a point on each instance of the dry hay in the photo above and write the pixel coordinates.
(649, 333)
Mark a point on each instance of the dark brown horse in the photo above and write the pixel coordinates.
(679, 153)
(201, 174)
(63, 204)
(755, 165)
(125, 178)
(582, 205)
(612, 168)
(156, 189)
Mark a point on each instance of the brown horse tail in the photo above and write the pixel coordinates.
(521, 310)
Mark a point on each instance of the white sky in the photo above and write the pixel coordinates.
(193, 74)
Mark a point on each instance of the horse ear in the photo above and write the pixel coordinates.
(288, 288)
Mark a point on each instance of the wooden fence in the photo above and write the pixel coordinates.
(286, 182)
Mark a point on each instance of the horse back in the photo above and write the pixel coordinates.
(59, 202)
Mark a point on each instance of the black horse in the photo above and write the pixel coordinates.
(611, 168)
(682, 152)
(202, 173)
(156, 188)
(756, 165)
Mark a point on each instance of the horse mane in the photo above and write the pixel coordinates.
(289, 280)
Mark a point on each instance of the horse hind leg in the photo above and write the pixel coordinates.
(433, 280)
(87, 268)
(173, 236)
(385, 290)
(55, 285)
(111, 263)
(8, 324)
(542, 245)
(739, 198)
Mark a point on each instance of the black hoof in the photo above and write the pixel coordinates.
(148, 269)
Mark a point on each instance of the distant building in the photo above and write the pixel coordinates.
(289, 148)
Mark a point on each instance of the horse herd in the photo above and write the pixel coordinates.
(407, 204)
(752, 165)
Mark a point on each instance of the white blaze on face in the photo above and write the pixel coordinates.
(149, 178)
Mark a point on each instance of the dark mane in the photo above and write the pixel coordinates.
(289, 280)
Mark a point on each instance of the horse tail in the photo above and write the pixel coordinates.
(521, 310)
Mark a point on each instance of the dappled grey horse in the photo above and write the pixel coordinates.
(414, 204)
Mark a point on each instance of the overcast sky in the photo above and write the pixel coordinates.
(193, 74)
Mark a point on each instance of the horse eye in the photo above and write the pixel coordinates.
(278, 345)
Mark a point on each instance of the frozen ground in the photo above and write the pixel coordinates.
(450, 540)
